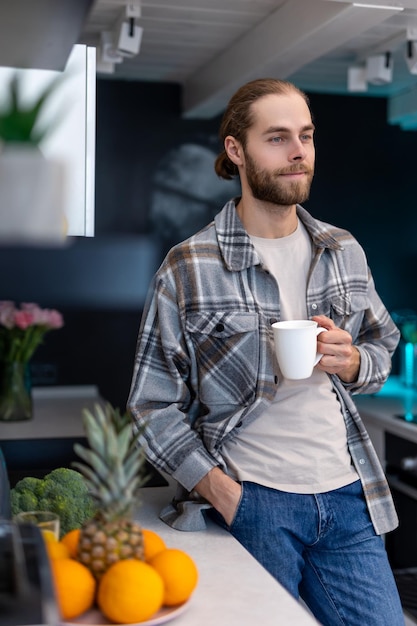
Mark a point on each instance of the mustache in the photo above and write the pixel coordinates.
(292, 169)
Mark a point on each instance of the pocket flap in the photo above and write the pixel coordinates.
(221, 324)
(349, 303)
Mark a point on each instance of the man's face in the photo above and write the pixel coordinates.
(279, 153)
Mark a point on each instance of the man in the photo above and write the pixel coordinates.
(286, 466)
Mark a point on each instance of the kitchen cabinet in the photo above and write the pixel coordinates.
(390, 417)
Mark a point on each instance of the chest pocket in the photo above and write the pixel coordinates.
(226, 347)
(347, 311)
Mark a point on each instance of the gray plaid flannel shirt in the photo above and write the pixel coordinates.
(205, 363)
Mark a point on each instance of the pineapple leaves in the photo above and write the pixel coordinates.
(113, 463)
(93, 460)
(96, 439)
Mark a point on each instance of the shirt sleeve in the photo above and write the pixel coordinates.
(376, 341)
(162, 398)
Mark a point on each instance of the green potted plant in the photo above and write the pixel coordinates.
(19, 122)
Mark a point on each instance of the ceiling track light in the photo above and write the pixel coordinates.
(387, 7)
(127, 33)
(356, 79)
(411, 56)
(121, 42)
(379, 69)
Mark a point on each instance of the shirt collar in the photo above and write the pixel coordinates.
(235, 244)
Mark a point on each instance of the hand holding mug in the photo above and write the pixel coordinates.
(341, 356)
(296, 347)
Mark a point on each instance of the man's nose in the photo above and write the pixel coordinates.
(298, 151)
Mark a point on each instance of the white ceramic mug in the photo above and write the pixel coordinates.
(296, 347)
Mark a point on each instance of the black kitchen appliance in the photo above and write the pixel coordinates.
(5, 512)
(27, 596)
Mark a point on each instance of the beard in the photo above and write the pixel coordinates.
(268, 187)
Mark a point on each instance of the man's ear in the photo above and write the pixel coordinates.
(234, 150)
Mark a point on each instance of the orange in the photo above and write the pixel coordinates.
(57, 550)
(71, 541)
(130, 591)
(179, 573)
(75, 587)
(152, 544)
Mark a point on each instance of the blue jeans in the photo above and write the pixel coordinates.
(321, 547)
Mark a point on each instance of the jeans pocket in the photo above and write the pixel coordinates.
(241, 506)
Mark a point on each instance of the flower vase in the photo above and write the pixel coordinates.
(15, 392)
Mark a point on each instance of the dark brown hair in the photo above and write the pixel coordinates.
(238, 117)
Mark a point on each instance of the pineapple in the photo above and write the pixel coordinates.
(113, 471)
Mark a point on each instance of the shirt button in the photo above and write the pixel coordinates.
(314, 306)
(362, 461)
(238, 425)
(219, 328)
(276, 379)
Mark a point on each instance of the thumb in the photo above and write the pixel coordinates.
(326, 322)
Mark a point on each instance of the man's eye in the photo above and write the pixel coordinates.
(276, 139)
(306, 137)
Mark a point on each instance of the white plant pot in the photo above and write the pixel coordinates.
(31, 197)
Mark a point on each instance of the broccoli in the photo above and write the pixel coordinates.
(63, 491)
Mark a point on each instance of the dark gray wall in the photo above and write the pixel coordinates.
(366, 182)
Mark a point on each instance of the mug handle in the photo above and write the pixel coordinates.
(319, 330)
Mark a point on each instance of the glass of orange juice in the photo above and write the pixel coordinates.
(46, 521)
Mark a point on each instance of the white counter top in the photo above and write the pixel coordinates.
(57, 412)
(233, 589)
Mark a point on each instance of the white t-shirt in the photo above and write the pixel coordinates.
(299, 443)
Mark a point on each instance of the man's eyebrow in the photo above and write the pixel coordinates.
(284, 129)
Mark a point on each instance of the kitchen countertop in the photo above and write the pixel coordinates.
(57, 412)
(233, 589)
(393, 399)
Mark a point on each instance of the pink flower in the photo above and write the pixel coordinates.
(54, 319)
(7, 310)
(34, 310)
(22, 329)
(50, 318)
(23, 319)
